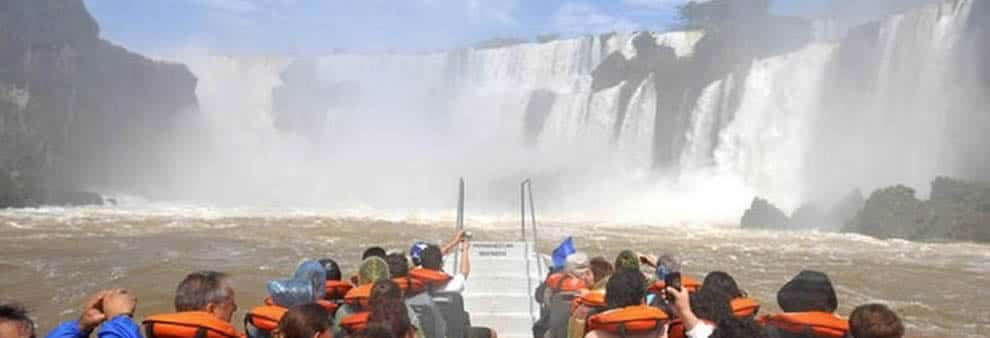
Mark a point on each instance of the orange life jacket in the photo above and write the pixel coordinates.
(328, 305)
(744, 307)
(359, 296)
(741, 307)
(691, 284)
(631, 319)
(562, 282)
(430, 278)
(409, 286)
(336, 289)
(192, 324)
(593, 299)
(265, 318)
(822, 324)
(356, 322)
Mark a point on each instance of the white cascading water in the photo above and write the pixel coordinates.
(765, 143)
(423, 119)
(420, 121)
(899, 135)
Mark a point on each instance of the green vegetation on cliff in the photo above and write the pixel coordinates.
(957, 210)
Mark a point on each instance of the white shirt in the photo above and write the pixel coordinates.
(456, 284)
(702, 330)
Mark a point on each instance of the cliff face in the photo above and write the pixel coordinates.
(727, 47)
(77, 111)
(957, 210)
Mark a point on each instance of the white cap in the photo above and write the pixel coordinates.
(576, 263)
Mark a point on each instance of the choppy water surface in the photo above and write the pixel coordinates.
(51, 258)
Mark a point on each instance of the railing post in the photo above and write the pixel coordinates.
(522, 211)
(536, 237)
(460, 221)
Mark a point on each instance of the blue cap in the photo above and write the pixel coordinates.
(415, 251)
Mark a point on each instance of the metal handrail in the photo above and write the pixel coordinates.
(527, 187)
(460, 220)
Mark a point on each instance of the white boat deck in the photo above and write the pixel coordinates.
(499, 290)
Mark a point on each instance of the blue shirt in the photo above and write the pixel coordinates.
(118, 327)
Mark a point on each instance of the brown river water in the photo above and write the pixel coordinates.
(50, 259)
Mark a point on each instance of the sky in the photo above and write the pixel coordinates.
(318, 27)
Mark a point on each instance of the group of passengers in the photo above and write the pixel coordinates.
(392, 295)
(592, 298)
(399, 295)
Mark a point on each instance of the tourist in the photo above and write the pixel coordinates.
(203, 300)
(601, 269)
(875, 321)
(15, 323)
(304, 321)
(112, 309)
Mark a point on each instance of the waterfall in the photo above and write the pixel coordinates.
(880, 105)
(767, 140)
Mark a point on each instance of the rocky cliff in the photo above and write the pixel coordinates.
(957, 210)
(77, 111)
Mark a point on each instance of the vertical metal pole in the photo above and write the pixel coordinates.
(460, 222)
(522, 211)
(522, 221)
(536, 238)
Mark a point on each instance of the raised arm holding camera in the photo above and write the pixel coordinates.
(111, 308)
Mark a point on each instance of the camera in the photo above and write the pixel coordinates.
(673, 280)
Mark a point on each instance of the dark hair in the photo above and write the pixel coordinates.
(626, 260)
(375, 330)
(333, 270)
(388, 308)
(373, 251)
(601, 268)
(199, 289)
(432, 258)
(716, 307)
(16, 313)
(875, 321)
(625, 288)
(398, 265)
(723, 283)
(303, 321)
(809, 291)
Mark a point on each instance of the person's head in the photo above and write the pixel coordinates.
(333, 270)
(304, 321)
(875, 321)
(207, 291)
(711, 305)
(809, 291)
(373, 252)
(398, 265)
(667, 264)
(388, 308)
(576, 265)
(416, 252)
(14, 322)
(600, 268)
(721, 282)
(372, 269)
(375, 330)
(627, 287)
(432, 258)
(627, 260)
(716, 307)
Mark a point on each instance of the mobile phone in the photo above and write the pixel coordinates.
(673, 280)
